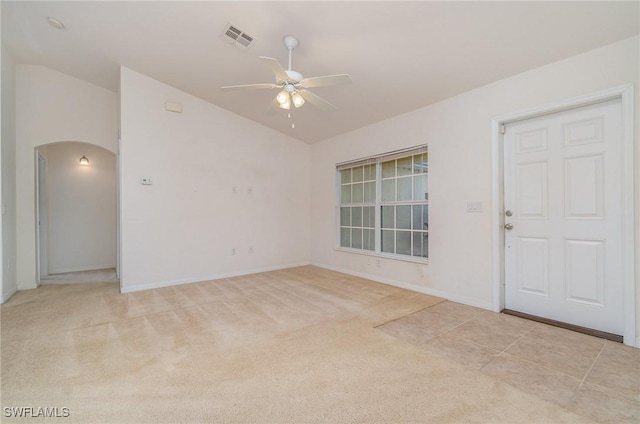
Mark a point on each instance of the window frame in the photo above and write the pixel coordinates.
(378, 204)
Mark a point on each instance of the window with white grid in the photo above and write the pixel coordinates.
(357, 207)
(383, 204)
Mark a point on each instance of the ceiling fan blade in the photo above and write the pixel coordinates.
(340, 79)
(248, 87)
(275, 67)
(317, 101)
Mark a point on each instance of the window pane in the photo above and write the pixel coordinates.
(366, 239)
(420, 217)
(425, 217)
(420, 188)
(388, 190)
(345, 217)
(403, 242)
(368, 216)
(387, 241)
(389, 169)
(404, 166)
(372, 239)
(425, 245)
(345, 175)
(345, 239)
(420, 164)
(388, 218)
(372, 216)
(365, 217)
(419, 241)
(357, 174)
(356, 217)
(370, 172)
(345, 195)
(357, 193)
(365, 174)
(404, 189)
(356, 238)
(370, 192)
(403, 217)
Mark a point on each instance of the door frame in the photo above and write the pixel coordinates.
(37, 155)
(40, 246)
(625, 94)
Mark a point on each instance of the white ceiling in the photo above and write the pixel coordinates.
(401, 55)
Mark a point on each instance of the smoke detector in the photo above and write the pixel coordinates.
(55, 23)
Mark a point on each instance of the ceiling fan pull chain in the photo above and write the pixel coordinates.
(293, 124)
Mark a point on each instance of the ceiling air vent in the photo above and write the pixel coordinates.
(235, 36)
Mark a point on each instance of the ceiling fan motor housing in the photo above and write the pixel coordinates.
(294, 76)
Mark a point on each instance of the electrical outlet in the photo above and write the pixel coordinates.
(233, 251)
(378, 263)
(250, 190)
(250, 249)
(146, 181)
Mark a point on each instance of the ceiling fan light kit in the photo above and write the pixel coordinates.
(282, 97)
(298, 100)
(293, 86)
(286, 105)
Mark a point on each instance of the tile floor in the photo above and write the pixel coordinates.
(593, 377)
(107, 275)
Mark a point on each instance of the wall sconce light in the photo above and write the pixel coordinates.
(84, 161)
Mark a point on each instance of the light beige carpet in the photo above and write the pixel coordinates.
(293, 346)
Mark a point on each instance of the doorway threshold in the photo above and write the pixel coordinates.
(590, 331)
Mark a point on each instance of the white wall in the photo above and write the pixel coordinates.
(8, 149)
(52, 107)
(458, 131)
(81, 208)
(183, 227)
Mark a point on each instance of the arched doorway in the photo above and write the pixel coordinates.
(76, 213)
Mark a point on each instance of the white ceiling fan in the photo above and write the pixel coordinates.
(293, 86)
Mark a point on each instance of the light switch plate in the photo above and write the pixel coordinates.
(474, 206)
(146, 181)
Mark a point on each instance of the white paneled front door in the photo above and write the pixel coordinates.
(563, 199)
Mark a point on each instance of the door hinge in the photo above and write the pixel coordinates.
(503, 128)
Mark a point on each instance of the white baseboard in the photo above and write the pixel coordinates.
(161, 284)
(454, 297)
(6, 297)
(81, 268)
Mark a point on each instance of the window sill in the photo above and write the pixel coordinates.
(423, 261)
